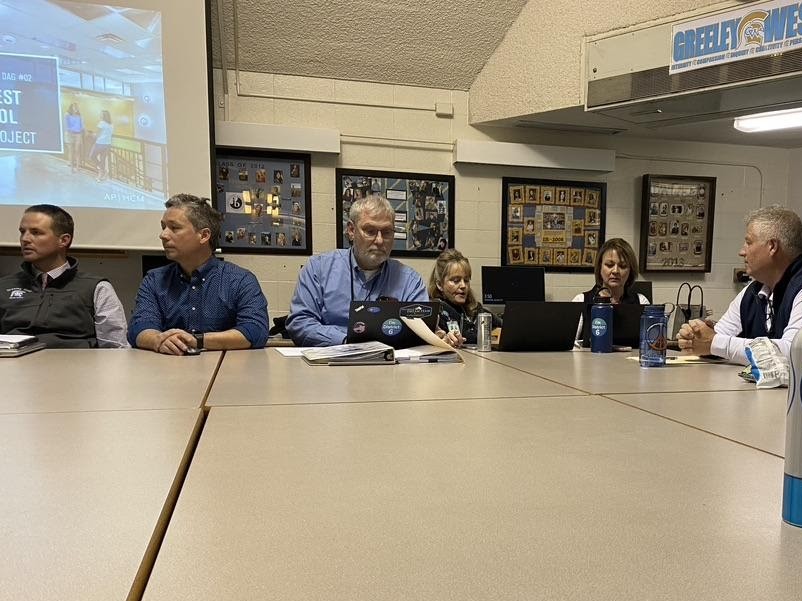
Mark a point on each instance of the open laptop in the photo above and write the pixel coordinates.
(381, 320)
(626, 326)
(511, 283)
(539, 326)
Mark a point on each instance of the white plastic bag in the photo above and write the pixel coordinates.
(769, 367)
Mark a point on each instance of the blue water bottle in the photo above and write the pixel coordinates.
(792, 479)
(601, 326)
(653, 326)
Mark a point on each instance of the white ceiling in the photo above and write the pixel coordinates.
(430, 43)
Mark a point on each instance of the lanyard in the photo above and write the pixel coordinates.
(373, 282)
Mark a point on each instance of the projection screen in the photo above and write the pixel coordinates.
(104, 110)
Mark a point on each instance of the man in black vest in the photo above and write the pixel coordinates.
(49, 297)
(771, 305)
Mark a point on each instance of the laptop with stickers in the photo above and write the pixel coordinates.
(381, 320)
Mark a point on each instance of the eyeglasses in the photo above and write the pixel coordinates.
(372, 232)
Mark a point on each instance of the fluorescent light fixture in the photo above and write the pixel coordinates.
(769, 121)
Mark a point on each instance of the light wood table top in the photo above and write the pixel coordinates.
(81, 496)
(578, 498)
(104, 379)
(755, 418)
(613, 373)
(265, 377)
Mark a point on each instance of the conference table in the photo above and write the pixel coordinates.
(95, 445)
(510, 476)
(108, 379)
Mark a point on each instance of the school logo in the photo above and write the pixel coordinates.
(16, 293)
(598, 327)
(751, 30)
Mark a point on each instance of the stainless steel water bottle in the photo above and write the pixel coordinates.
(484, 322)
(792, 478)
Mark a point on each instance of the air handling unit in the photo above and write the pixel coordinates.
(747, 60)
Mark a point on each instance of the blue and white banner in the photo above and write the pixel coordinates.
(753, 30)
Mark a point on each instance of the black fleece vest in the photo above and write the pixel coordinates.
(61, 315)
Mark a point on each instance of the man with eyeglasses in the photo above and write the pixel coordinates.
(771, 305)
(198, 301)
(329, 282)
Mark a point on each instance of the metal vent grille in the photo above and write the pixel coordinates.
(657, 82)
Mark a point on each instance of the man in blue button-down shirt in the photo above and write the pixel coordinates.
(329, 282)
(197, 302)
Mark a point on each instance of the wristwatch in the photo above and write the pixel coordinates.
(199, 339)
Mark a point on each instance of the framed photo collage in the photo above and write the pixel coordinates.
(265, 199)
(554, 224)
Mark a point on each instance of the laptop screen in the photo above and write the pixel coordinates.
(512, 283)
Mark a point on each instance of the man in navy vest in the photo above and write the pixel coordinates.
(771, 305)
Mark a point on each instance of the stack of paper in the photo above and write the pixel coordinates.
(360, 353)
(13, 345)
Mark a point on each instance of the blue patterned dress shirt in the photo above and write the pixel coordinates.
(219, 296)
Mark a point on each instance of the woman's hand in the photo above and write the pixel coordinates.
(453, 339)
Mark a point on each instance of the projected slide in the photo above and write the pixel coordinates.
(82, 112)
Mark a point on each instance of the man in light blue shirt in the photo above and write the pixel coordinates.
(329, 282)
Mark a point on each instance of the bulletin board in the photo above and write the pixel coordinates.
(677, 223)
(423, 205)
(554, 224)
(265, 199)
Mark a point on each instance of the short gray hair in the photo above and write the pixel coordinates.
(778, 223)
(200, 213)
(370, 204)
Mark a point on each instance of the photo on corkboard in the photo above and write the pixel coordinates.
(559, 256)
(516, 255)
(577, 197)
(562, 196)
(574, 256)
(516, 214)
(545, 256)
(579, 227)
(588, 257)
(515, 236)
(529, 226)
(532, 194)
(547, 195)
(516, 194)
(591, 239)
(592, 198)
(532, 256)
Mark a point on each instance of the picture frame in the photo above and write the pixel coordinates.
(677, 214)
(265, 198)
(554, 224)
(423, 205)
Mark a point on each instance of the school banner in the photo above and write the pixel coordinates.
(753, 30)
